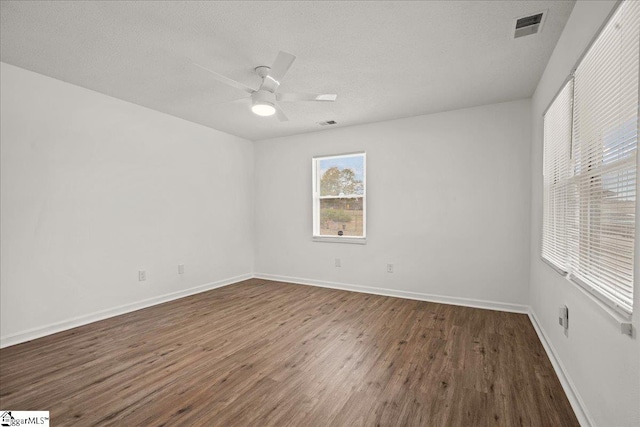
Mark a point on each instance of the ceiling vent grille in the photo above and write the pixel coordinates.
(327, 123)
(528, 25)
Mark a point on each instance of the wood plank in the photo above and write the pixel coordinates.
(269, 353)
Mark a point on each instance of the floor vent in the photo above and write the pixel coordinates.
(528, 25)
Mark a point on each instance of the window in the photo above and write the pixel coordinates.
(339, 198)
(556, 177)
(590, 165)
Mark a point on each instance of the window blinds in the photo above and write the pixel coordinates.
(557, 155)
(605, 138)
(590, 176)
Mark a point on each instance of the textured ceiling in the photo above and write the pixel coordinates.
(385, 60)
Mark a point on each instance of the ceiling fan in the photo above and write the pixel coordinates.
(264, 100)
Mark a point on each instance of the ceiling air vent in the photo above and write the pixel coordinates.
(327, 123)
(528, 25)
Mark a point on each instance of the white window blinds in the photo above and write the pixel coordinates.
(589, 211)
(557, 155)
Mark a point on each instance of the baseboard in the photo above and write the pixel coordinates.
(570, 390)
(466, 302)
(53, 328)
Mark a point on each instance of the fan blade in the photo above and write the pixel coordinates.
(291, 97)
(226, 80)
(234, 101)
(280, 66)
(281, 116)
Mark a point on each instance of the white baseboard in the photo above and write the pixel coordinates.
(570, 390)
(466, 302)
(53, 328)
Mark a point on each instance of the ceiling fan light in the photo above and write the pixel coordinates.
(263, 109)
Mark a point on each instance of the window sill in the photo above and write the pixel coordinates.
(555, 267)
(330, 239)
(618, 315)
(623, 320)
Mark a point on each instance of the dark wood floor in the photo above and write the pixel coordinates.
(266, 353)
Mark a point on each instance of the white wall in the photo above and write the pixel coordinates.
(602, 364)
(448, 205)
(95, 188)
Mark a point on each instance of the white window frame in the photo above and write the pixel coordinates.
(566, 268)
(315, 165)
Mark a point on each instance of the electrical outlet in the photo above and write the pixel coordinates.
(142, 275)
(563, 316)
(180, 268)
(389, 268)
(338, 264)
